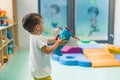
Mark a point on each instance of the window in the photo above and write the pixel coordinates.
(54, 13)
(92, 19)
(89, 19)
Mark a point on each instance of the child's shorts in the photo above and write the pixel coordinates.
(46, 78)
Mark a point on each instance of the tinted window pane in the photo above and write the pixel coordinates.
(54, 13)
(92, 19)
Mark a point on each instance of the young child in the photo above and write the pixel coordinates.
(39, 57)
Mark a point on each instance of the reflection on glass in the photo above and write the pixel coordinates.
(54, 13)
(92, 19)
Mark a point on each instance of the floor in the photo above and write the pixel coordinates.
(17, 70)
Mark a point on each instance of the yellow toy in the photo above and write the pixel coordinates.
(2, 13)
(3, 18)
(5, 59)
(113, 49)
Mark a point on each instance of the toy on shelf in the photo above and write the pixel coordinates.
(9, 34)
(5, 59)
(2, 13)
(11, 47)
(3, 18)
(3, 39)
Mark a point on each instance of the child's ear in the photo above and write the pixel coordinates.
(37, 27)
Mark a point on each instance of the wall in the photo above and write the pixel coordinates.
(7, 8)
(117, 24)
(24, 7)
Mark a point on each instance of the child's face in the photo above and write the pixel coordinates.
(40, 27)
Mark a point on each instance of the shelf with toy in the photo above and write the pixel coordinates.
(7, 48)
(3, 37)
(6, 33)
(2, 64)
(5, 54)
(0, 38)
(3, 18)
(11, 55)
(3, 58)
(6, 43)
(10, 40)
(11, 34)
(10, 25)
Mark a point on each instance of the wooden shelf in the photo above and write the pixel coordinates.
(5, 64)
(2, 66)
(6, 43)
(8, 46)
(5, 27)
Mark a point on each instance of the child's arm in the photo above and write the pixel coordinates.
(51, 40)
(50, 49)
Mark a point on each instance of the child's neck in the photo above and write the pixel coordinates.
(36, 33)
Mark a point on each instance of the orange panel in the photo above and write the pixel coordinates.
(101, 57)
(105, 63)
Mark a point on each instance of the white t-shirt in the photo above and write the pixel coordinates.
(39, 62)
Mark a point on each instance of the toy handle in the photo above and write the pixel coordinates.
(76, 37)
(69, 29)
(57, 37)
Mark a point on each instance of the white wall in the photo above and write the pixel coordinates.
(24, 7)
(117, 23)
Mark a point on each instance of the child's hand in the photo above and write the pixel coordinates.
(52, 40)
(61, 41)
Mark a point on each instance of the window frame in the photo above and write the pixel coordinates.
(71, 19)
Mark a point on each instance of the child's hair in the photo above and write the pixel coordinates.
(30, 20)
